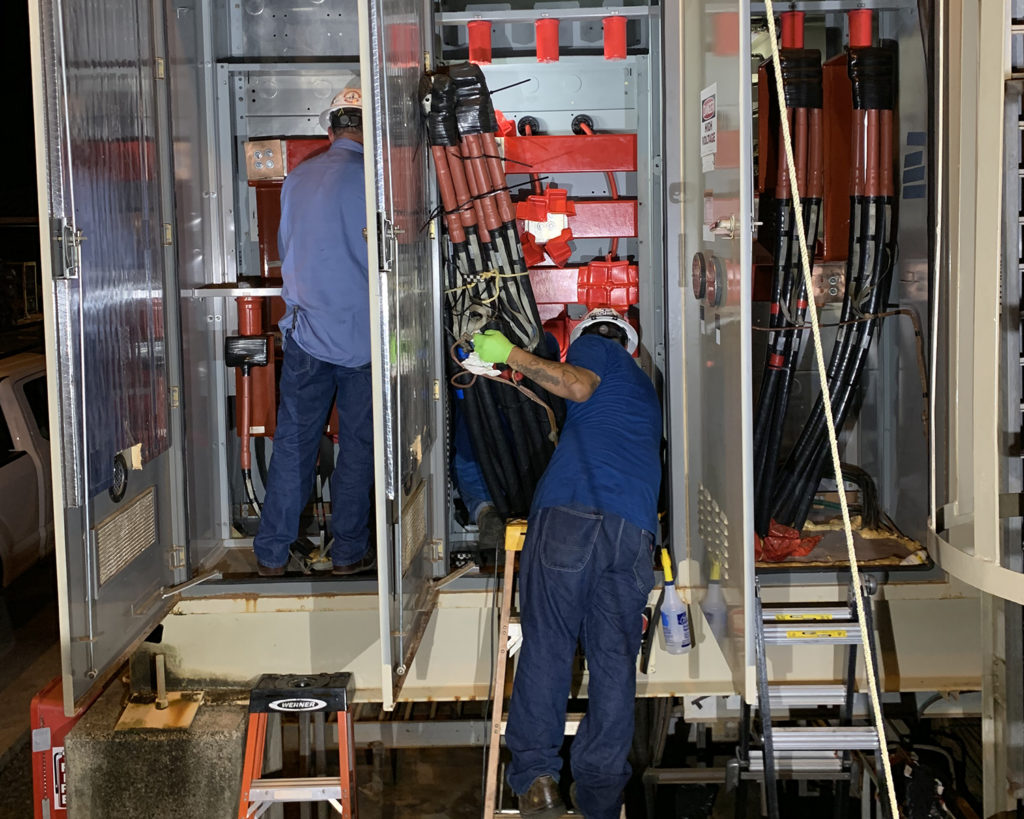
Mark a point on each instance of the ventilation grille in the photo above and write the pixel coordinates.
(125, 535)
(414, 527)
(713, 528)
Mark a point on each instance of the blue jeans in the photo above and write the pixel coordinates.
(469, 477)
(585, 577)
(308, 386)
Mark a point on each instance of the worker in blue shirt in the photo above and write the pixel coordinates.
(326, 331)
(586, 568)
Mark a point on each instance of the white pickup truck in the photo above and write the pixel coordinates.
(26, 508)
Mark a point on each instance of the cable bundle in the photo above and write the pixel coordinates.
(487, 286)
(801, 76)
(869, 265)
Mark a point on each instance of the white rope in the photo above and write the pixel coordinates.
(869, 663)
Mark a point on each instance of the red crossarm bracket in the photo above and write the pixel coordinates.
(602, 219)
(600, 284)
(570, 154)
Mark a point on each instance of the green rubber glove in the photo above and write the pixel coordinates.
(492, 346)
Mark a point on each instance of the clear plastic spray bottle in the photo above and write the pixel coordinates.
(675, 622)
(713, 604)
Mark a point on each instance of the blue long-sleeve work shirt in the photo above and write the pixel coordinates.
(323, 256)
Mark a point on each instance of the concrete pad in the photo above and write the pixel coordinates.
(161, 774)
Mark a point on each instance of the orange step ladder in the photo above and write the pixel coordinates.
(306, 695)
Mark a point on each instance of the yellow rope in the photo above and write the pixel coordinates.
(869, 663)
(486, 274)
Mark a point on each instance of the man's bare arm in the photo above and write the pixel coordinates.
(565, 380)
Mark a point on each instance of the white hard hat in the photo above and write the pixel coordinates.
(351, 97)
(607, 315)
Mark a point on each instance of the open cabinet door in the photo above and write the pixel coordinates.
(117, 497)
(406, 304)
(709, 337)
(976, 468)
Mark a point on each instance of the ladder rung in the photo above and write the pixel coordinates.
(310, 789)
(828, 738)
(808, 612)
(812, 633)
(806, 696)
(799, 763)
(572, 724)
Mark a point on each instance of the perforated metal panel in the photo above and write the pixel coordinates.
(414, 527)
(713, 527)
(125, 535)
(293, 28)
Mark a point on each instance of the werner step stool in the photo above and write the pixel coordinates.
(305, 695)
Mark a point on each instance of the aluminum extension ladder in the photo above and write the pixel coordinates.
(806, 752)
(308, 695)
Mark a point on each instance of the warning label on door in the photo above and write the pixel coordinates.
(709, 126)
(60, 783)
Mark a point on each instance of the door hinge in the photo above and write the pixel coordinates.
(385, 241)
(168, 234)
(426, 61)
(69, 240)
(159, 72)
(437, 390)
(175, 397)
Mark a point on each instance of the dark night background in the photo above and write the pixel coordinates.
(19, 239)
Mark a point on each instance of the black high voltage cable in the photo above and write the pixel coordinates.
(868, 273)
(802, 87)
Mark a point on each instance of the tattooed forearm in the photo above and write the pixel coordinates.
(566, 380)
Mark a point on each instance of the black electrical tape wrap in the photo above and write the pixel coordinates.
(442, 129)
(474, 110)
(801, 77)
(872, 71)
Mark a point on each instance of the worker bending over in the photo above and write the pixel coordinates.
(586, 568)
(326, 348)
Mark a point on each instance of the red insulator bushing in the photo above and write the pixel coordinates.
(250, 315)
(792, 29)
(860, 28)
(547, 40)
(615, 38)
(479, 41)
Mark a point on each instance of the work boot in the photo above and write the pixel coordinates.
(541, 800)
(490, 539)
(364, 564)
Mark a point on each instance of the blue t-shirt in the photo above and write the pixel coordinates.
(609, 452)
(323, 256)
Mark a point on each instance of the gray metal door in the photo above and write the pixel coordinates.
(710, 181)
(111, 333)
(405, 299)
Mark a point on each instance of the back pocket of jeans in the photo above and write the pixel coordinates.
(567, 538)
(643, 565)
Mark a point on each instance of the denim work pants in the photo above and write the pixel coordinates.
(308, 385)
(584, 577)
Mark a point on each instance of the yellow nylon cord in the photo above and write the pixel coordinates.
(819, 354)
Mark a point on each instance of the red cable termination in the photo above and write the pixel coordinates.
(792, 29)
(860, 28)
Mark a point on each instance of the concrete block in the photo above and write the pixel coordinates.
(156, 774)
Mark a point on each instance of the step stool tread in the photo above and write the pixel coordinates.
(812, 633)
(807, 695)
(295, 790)
(830, 738)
